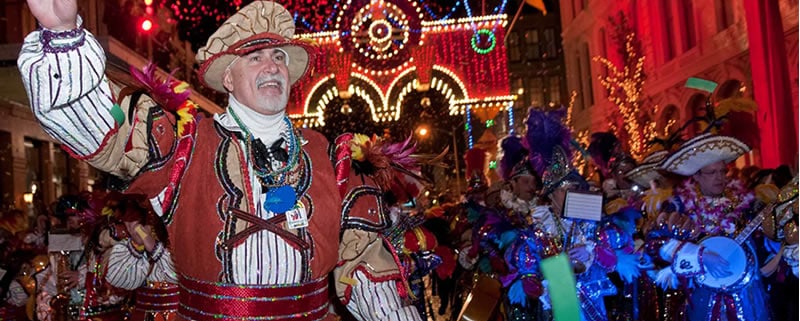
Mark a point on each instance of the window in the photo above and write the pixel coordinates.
(62, 168)
(687, 15)
(586, 76)
(555, 90)
(696, 107)
(532, 45)
(551, 50)
(537, 94)
(34, 179)
(668, 33)
(513, 47)
(724, 9)
(518, 88)
(670, 120)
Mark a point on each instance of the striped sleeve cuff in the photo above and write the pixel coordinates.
(163, 268)
(379, 301)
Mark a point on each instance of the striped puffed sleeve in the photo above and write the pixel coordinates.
(64, 77)
(128, 268)
(374, 300)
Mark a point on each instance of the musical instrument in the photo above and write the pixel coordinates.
(60, 302)
(741, 261)
(60, 246)
(482, 300)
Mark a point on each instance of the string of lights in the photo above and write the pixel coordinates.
(625, 86)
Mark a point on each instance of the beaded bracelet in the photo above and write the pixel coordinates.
(49, 35)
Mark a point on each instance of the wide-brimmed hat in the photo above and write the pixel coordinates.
(647, 171)
(259, 25)
(702, 151)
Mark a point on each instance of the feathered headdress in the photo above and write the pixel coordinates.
(475, 160)
(546, 130)
(550, 153)
(513, 157)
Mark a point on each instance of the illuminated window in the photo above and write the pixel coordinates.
(532, 45)
(551, 45)
(513, 47)
(537, 92)
(555, 90)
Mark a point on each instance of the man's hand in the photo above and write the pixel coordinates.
(71, 278)
(57, 15)
(715, 264)
(579, 253)
(140, 234)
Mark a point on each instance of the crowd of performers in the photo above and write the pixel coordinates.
(647, 258)
(683, 234)
(245, 216)
(93, 256)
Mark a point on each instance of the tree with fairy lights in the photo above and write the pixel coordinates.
(625, 85)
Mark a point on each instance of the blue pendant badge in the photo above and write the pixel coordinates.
(280, 199)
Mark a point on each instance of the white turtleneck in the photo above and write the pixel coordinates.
(268, 128)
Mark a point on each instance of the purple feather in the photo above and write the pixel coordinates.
(400, 154)
(160, 91)
(546, 130)
(513, 152)
(601, 149)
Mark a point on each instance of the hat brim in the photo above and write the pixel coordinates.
(647, 172)
(301, 58)
(702, 151)
(643, 174)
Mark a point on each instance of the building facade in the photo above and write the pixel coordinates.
(537, 74)
(708, 39)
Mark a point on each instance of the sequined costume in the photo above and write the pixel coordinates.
(677, 246)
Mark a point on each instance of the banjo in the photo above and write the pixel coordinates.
(732, 251)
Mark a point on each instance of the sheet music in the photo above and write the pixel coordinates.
(584, 206)
(64, 242)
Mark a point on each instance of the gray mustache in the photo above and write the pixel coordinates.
(262, 80)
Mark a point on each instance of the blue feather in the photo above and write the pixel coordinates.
(516, 294)
(507, 238)
(627, 266)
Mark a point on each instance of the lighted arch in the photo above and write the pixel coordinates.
(443, 81)
(315, 91)
(370, 87)
(462, 89)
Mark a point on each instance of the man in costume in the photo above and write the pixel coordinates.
(73, 286)
(141, 239)
(707, 204)
(257, 213)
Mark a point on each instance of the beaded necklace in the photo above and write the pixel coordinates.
(718, 215)
(281, 194)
